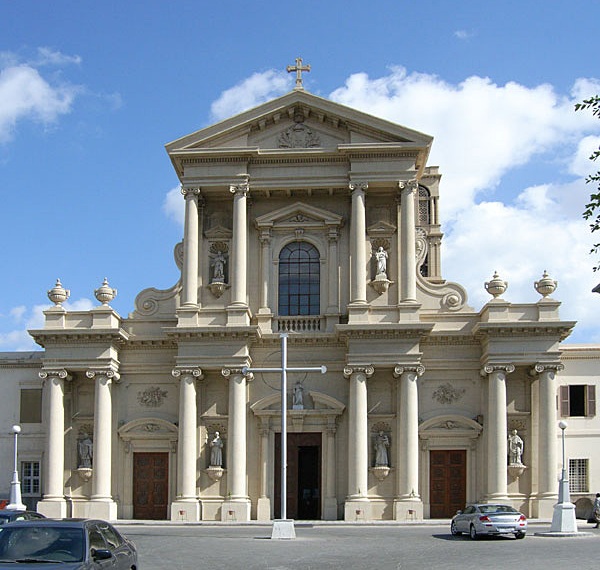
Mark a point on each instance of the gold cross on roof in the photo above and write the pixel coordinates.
(298, 68)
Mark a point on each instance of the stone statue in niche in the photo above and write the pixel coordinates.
(382, 443)
(298, 397)
(218, 264)
(216, 451)
(381, 258)
(85, 447)
(515, 448)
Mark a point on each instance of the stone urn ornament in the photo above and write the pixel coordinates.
(58, 294)
(496, 286)
(546, 285)
(105, 294)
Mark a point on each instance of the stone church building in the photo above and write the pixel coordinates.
(313, 226)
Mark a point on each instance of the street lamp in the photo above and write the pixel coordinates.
(563, 491)
(15, 486)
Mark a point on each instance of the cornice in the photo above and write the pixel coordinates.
(57, 336)
(216, 332)
(384, 331)
(512, 329)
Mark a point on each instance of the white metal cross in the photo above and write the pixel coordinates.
(284, 369)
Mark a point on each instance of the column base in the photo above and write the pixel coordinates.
(263, 509)
(238, 315)
(187, 316)
(358, 313)
(330, 509)
(187, 511)
(408, 509)
(235, 511)
(357, 510)
(408, 311)
(264, 320)
(543, 507)
(102, 509)
(52, 508)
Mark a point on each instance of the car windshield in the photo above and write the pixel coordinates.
(43, 543)
(488, 509)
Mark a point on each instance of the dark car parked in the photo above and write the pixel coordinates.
(68, 544)
(9, 515)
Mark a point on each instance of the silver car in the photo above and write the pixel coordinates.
(489, 518)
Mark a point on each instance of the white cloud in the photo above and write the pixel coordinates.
(462, 34)
(48, 56)
(26, 95)
(254, 90)
(581, 165)
(482, 130)
(174, 205)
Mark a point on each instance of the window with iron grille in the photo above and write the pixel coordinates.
(30, 477)
(424, 206)
(578, 476)
(299, 280)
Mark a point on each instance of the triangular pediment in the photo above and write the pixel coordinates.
(299, 214)
(299, 120)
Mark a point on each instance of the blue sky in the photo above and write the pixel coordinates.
(91, 92)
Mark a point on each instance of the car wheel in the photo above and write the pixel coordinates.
(519, 535)
(473, 533)
(453, 529)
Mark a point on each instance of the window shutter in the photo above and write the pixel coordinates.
(564, 401)
(591, 401)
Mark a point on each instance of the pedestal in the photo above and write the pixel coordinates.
(283, 529)
(263, 509)
(235, 511)
(187, 511)
(52, 509)
(356, 510)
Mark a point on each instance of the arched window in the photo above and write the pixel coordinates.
(424, 206)
(299, 280)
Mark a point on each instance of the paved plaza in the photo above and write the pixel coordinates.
(341, 546)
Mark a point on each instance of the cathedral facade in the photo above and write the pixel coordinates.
(311, 250)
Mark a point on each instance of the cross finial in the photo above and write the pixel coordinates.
(298, 68)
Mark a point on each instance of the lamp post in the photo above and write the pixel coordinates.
(563, 490)
(563, 518)
(15, 485)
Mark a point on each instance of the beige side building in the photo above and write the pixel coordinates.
(312, 220)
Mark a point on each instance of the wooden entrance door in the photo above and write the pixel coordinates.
(150, 486)
(303, 476)
(447, 482)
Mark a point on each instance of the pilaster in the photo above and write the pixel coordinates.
(358, 309)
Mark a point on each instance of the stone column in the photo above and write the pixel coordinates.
(407, 442)
(330, 504)
(357, 504)
(238, 500)
(497, 431)
(263, 508)
(54, 504)
(237, 312)
(358, 309)
(408, 277)
(547, 453)
(189, 293)
(264, 316)
(102, 505)
(186, 506)
(333, 277)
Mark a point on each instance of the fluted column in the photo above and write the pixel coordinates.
(237, 447)
(408, 277)
(358, 250)
(102, 448)
(497, 431)
(547, 453)
(407, 435)
(189, 294)
(54, 503)
(358, 440)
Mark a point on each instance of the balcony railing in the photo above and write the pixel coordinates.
(299, 324)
